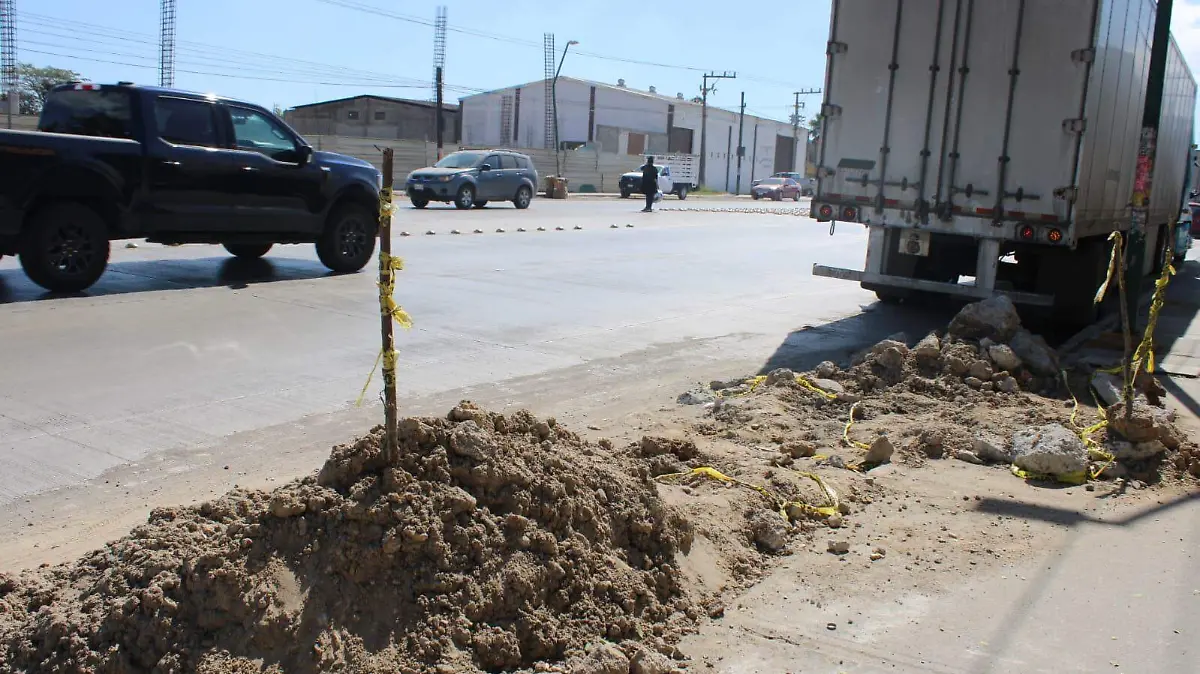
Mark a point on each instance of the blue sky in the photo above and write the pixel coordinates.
(319, 44)
(290, 52)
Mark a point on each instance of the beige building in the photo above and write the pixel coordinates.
(375, 117)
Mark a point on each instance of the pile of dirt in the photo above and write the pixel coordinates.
(494, 543)
(964, 392)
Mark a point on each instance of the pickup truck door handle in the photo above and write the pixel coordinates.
(174, 164)
(249, 169)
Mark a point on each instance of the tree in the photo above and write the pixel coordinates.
(34, 85)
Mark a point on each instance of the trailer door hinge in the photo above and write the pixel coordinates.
(834, 47)
(1083, 55)
(831, 111)
(1078, 125)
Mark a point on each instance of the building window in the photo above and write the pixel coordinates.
(380, 115)
(352, 114)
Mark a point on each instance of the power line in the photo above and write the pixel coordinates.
(379, 11)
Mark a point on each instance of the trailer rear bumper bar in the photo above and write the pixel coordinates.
(871, 281)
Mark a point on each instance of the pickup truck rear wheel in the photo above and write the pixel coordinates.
(248, 251)
(65, 249)
(348, 241)
(683, 192)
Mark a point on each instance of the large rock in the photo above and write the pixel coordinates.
(826, 369)
(780, 376)
(1035, 353)
(1147, 423)
(929, 348)
(994, 318)
(646, 661)
(880, 451)
(981, 370)
(991, 448)
(1134, 451)
(1051, 450)
(1004, 357)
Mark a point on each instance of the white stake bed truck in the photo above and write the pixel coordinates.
(990, 146)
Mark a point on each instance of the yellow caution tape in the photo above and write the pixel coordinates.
(1095, 452)
(1145, 350)
(755, 382)
(801, 380)
(780, 504)
(846, 431)
(1114, 262)
(388, 266)
(1066, 478)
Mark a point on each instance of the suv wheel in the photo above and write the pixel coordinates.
(465, 198)
(481, 203)
(65, 249)
(624, 194)
(524, 196)
(419, 202)
(348, 241)
(247, 251)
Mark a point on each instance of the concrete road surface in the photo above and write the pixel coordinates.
(178, 348)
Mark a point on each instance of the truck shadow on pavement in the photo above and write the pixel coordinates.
(155, 275)
(838, 340)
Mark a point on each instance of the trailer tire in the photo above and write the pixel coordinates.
(1073, 279)
(887, 297)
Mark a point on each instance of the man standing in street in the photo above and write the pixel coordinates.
(649, 183)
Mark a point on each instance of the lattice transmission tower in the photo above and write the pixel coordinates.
(8, 55)
(166, 44)
(439, 46)
(548, 45)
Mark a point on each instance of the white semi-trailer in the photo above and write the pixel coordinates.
(990, 146)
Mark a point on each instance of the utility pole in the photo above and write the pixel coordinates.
(705, 90)
(741, 149)
(796, 126)
(439, 125)
(1143, 183)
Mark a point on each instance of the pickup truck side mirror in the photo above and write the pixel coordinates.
(304, 154)
(485, 167)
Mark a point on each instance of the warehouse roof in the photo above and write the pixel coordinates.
(674, 100)
(389, 99)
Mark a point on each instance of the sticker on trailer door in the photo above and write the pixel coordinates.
(913, 242)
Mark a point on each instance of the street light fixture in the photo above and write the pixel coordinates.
(554, 95)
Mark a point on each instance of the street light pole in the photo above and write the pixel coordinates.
(554, 95)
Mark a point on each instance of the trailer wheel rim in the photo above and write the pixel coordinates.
(70, 251)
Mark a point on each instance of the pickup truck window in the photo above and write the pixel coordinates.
(107, 113)
(257, 132)
(183, 121)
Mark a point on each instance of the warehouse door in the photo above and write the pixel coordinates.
(637, 143)
(680, 140)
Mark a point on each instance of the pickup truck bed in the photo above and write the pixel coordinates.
(121, 162)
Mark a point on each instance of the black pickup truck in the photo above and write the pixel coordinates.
(113, 162)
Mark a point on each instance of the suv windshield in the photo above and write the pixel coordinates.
(460, 160)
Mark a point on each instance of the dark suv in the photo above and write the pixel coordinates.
(472, 178)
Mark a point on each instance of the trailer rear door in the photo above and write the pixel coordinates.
(1019, 106)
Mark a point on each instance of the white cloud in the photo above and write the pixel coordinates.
(1185, 25)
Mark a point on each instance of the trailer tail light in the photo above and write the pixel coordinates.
(1026, 232)
(824, 212)
(849, 214)
(1055, 235)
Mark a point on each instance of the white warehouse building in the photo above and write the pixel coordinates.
(618, 119)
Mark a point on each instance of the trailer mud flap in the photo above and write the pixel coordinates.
(958, 290)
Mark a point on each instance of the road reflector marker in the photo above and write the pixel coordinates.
(520, 229)
(405, 234)
(430, 233)
(577, 228)
(455, 231)
(558, 229)
(499, 230)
